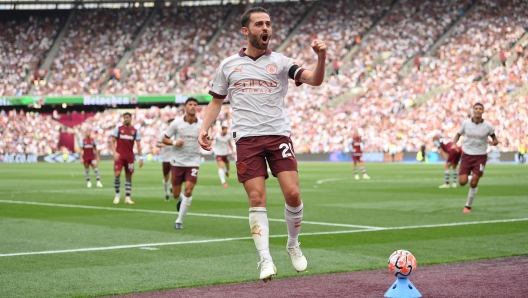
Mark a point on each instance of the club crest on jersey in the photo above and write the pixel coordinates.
(238, 69)
(271, 68)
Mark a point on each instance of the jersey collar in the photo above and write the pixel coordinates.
(473, 120)
(242, 53)
(185, 120)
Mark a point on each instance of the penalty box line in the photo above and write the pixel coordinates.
(106, 248)
(175, 213)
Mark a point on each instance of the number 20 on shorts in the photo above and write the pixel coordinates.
(285, 148)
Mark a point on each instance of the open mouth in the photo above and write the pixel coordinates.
(265, 38)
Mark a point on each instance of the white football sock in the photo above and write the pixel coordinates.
(166, 186)
(184, 207)
(293, 217)
(471, 196)
(221, 174)
(258, 223)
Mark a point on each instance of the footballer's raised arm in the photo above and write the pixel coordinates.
(315, 77)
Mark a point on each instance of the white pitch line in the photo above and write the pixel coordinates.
(174, 212)
(151, 245)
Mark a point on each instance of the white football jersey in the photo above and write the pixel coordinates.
(221, 144)
(476, 136)
(256, 88)
(188, 155)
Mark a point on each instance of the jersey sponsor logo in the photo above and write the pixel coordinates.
(271, 68)
(238, 69)
(255, 83)
(126, 137)
(256, 86)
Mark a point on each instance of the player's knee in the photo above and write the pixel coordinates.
(256, 199)
(462, 181)
(292, 195)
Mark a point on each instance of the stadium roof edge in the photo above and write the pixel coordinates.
(186, 2)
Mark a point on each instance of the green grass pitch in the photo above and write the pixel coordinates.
(60, 239)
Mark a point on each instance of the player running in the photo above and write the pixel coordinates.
(357, 155)
(256, 82)
(185, 159)
(451, 156)
(474, 156)
(221, 147)
(122, 142)
(90, 157)
(166, 152)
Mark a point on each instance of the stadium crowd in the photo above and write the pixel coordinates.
(94, 43)
(392, 112)
(24, 44)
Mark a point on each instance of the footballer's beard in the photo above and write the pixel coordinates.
(255, 41)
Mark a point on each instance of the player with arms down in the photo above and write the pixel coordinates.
(452, 157)
(477, 132)
(357, 156)
(221, 147)
(256, 81)
(90, 157)
(166, 152)
(122, 142)
(186, 156)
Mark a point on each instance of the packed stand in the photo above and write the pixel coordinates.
(167, 48)
(28, 133)
(94, 43)
(284, 17)
(24, 43)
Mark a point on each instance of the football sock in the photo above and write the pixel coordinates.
(355, 171)
(128, 187)
(469, 179)
(184, 207)
(258, 223)
(447, 174)
(293, 217)
(166, 186)
(471, 196)
(455, 176)
(96, 171)
(87, 174)
(221, 175)
(117, 184)
(363, 170)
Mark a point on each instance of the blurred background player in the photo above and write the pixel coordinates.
(183, 134)
(122, 142)
(221, 148)
(521, 151)
(451, 156)
(477, 132)
(166, 151)
(90, 157)
(357, 155)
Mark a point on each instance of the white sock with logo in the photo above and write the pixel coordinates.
(293, 217)
(259, 225)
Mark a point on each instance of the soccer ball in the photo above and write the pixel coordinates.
(402, 263)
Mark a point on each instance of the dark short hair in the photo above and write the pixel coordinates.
(224, 127)
(127, 114)
(246, 17)
(478, 104)
(191, 99)
(170, 120)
